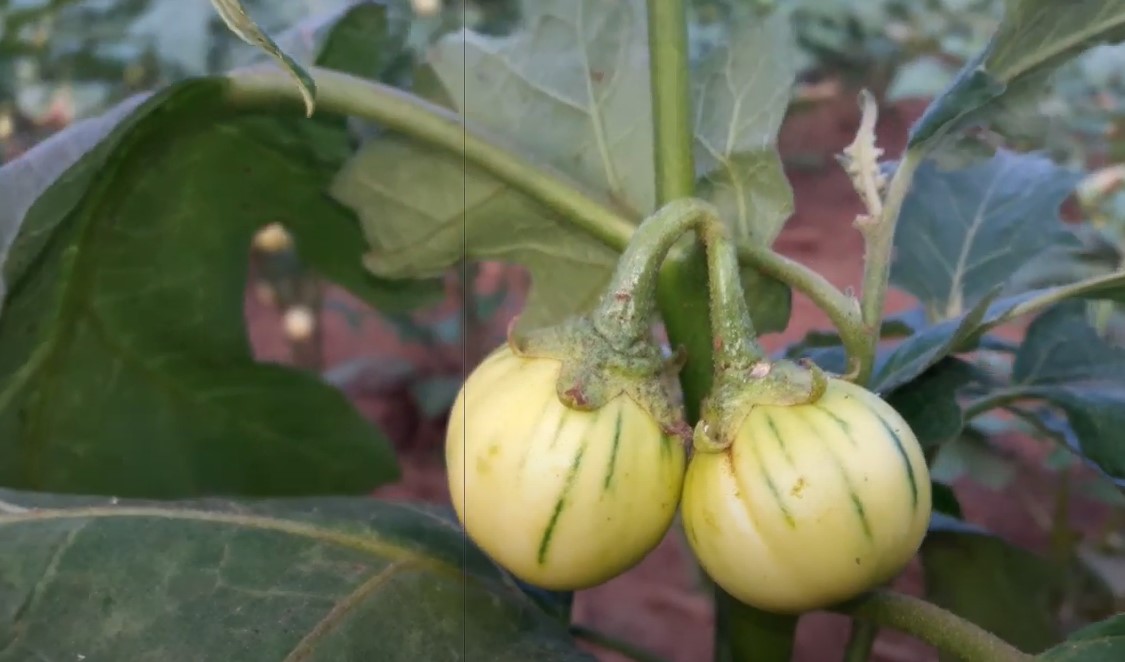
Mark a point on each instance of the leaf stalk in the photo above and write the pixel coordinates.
(879, 237)
(263, 86)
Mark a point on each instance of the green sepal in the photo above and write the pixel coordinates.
(740, 388)
(595, 370)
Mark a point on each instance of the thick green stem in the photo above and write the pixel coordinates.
(933, 625)
(671, 99)
(746, 634)
(879, 235)
(861, 641)
(682, 282)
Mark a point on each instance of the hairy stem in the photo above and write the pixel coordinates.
(731, 327)
(685, 278)
(842, 310)
(933, 625)
(400, 111)
(879, 236)
(339, 93)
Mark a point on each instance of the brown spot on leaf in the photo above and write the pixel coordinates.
(798, 487)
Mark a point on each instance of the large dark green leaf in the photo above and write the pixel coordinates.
(339, 580)
(929, 402)
(1099, 642)
(926, 347)
(917, 353)
(1034, 38)
(124, 363)
(1064, 361)
(963, 232)
(1006, 590)
(567, 96)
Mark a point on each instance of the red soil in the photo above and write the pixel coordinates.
(657, 604)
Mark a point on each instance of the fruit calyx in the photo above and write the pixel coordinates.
(739, 388)
(594, 370)
(610, 350)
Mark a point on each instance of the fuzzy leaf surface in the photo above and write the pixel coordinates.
(1000, 587)
(569, 93)
(1098, 642)
(302, 579)
(741, 92)
(1064, 361)
(1034, 38)
(124, 363)
(963, 232)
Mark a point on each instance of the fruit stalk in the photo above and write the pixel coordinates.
(685, 316)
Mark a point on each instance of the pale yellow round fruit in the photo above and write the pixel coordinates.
(812, 504)
(563, 499)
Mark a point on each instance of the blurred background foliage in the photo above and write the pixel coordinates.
(62, 60)
(65, 59)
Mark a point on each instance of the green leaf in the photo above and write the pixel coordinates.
(571, 87)
(23, 180)
(963, 232)
(567, 95)
(929, 402)
(1091, 254)
(740, 104)
(1004, 589)
(423, 209)
(1099, 642)
(1064, 361)
(124, 363)
(1034, 38)
(971, 455)
(310, 579)
(915, 355)
(234, 15)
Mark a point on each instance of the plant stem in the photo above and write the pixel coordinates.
(746, 634)
(671, 100)
(879, 236)
(266, 86)
(685, 312)
(861, 641)
(933, 625)
(732, 330)
(684, 276)
(397, 110)
(627, 306)
(842, 310)
(986, 403)
(614, 644)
